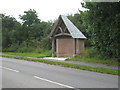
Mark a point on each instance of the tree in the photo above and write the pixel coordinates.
(103, 23)
(33, 28)
(31, 24)
(9, 29)
(32, 33)
(29, 18)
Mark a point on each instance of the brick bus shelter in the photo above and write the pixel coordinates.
(67, 40)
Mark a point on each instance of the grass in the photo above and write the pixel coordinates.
(76, 66)
(30, 54)
(91, 56)
(94, 60)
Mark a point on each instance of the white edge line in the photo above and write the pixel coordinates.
(9, 69)
(53, 82)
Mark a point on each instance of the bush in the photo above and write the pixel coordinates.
(89, 53)
(45, 43)
(30, 46)
(12, 48)
(39, 50)
(25, 49)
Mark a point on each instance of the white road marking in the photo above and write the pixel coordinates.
(9, 69)
(53, 82)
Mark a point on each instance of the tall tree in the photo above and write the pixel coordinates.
(9, 29)
(34, 29)
(31, 24)
(103, 20)
(29, 18)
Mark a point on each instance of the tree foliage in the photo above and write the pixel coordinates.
(103, 21)
(9, 33)
(29, 18)
(31, 33)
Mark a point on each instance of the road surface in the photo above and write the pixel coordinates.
(27, 74)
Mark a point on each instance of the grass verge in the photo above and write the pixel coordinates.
(30, 54)
(95, 60)
(76, 66)
(90, 55)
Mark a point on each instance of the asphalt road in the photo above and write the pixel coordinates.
(27, 74)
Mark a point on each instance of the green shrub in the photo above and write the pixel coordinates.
(12, 48)
(47, 53)
(25, 49)
(88, 53)
(39, 50)
(45, 43)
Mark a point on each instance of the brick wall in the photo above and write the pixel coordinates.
(65, 47)
(80, 46)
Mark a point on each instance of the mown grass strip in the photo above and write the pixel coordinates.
(76, 66)
(30, 54)
(95, 60)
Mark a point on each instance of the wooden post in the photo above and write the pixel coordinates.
(74, 47)
(53, 47)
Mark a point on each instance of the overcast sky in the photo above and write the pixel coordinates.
(46, 9)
